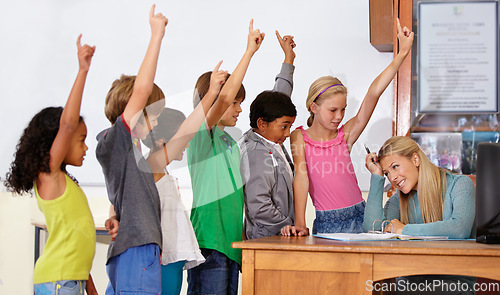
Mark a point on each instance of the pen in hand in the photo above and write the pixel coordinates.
(368, 152)
(367, 149)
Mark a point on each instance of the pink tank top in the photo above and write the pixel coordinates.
(332, 180)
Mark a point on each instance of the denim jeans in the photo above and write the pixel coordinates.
(67, 287)
(135, 271)
(217, 275)
(343, 220)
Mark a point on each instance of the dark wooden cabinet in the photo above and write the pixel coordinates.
(381, 24)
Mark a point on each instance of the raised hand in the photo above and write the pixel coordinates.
(85, 54)
(372, 164)
(255, 38)
(158, 22)
(217, 79)
(405, 37)
(144, 81)
(287, 44)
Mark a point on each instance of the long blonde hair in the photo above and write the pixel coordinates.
(431, 185)
(316, 89)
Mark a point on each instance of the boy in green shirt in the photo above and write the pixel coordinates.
(214, 165)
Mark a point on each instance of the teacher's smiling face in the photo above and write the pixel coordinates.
(401, 171)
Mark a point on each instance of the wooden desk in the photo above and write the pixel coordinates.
(309, 265)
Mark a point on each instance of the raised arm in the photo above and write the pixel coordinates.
(355, 126)
(144, 81)
(233, 84)
(190, 126)
(300, 186)
(70, 117)
(284, 80)
(287, 44)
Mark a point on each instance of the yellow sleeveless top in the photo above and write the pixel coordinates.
(70, 248)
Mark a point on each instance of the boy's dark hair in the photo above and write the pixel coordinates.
(33, 151)
(203, 84)
(271, 105)
(169, 122)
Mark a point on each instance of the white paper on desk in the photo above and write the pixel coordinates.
(375, 237)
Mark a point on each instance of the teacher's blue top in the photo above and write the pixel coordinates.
(458, 209)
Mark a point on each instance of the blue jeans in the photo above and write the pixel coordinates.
(343, 220)
(217, 275)
(171, 278)
(135, 271)
(67, 287)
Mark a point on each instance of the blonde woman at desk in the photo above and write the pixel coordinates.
(429, 200)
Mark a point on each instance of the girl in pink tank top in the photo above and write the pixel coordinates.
(321, 153)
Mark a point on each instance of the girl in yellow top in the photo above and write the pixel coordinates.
(54, 138)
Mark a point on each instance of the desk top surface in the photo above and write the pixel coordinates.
(310, 243)
(44, 226)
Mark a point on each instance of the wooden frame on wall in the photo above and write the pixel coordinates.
(401, 121)
(403, 117)
(455, 57)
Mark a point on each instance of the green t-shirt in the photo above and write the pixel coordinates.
(217, 214)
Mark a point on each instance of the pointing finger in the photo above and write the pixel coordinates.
(152, 10)
(250, 29)
(398, 26)
(279, 36)
(79, 41)
(217, 66)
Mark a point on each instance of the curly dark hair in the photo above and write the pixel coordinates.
(33, 151)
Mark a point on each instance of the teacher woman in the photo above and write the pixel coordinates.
(429, 200)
